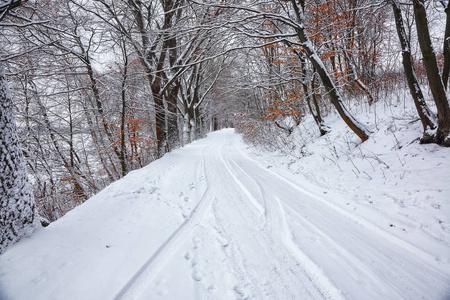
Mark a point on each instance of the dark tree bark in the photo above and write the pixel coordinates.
(157, 75)
(123, 148)
(172, 92)
(446, 51)
(153, 77)
(425, 114)
(432, 71)
(160, 116)
(172, 116)
(5, 7)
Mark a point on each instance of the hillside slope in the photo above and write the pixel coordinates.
(219, 220)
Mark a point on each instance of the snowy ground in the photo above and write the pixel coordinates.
(219, 220)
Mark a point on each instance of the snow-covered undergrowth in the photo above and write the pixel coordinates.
(391, 180)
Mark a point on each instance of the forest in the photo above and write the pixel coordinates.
(92, 90)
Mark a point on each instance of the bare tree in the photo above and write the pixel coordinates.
(426, 115)
(434, 79)
(446, 48)
(333, 92)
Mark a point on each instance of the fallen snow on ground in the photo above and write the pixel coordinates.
(390, 180)
(219, 220)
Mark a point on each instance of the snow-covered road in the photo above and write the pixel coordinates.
(209, 221)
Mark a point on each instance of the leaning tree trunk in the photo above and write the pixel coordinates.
(315, 96)
(434, 79)
(310, 96)
(425, 114)
(18, 215)
(335, 97)
(355, 77)
(323, 128)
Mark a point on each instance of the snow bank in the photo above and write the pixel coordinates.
(94, 249)
(390, 180)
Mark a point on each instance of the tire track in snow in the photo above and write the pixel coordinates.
(245, 288)
(376, 276)
(314, 272)
(355, 261)
(259, 186)
(247, 193)
(152, 267)
(424, 256)
(264, 290)
(328, 289)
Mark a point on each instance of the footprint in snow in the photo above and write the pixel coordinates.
(152, 190)
(197, 276)
(196, 241)
(435, 205)
(241, 292)
(139, 191)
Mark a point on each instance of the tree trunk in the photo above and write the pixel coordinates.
(353, 74)
(18, 214)
(308, 96)
(172, 116)
(186, 129)
(315, 94)
(332, 91)
(425, 114)
(99, 106)
(160, 122)
(198, 123)
(154, 81)
(123, 148)
(173, 90)
(432, 70)
(215, 123)
(446, 51)
(192, 130)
